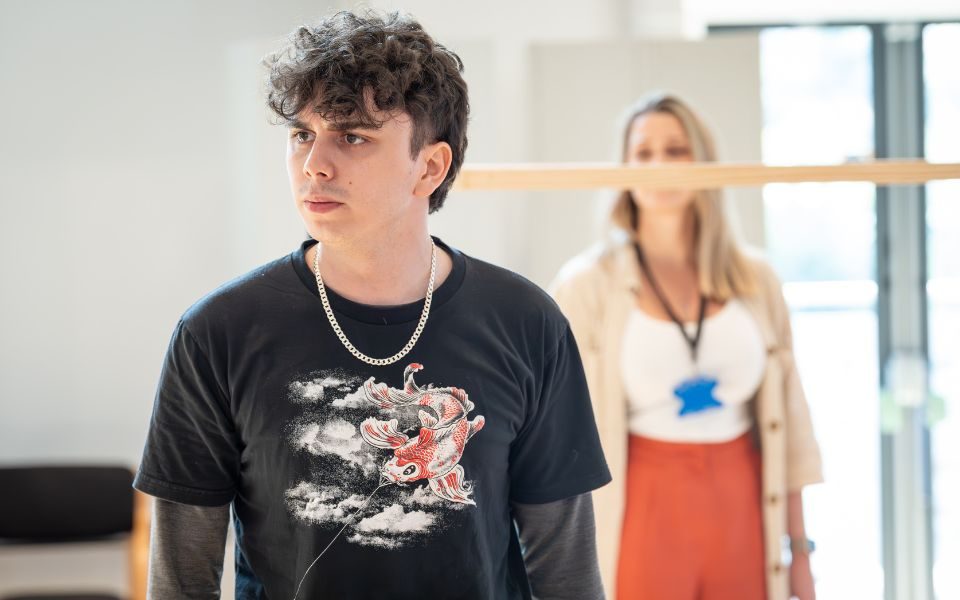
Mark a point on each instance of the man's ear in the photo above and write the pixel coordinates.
(437, 158)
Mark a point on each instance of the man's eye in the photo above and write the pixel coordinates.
(353, 139)
(301, 136)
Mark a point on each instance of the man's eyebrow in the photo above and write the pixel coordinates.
(352, 125)
(339, 126)
(298, 124)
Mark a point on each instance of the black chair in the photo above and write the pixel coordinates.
(64, 504)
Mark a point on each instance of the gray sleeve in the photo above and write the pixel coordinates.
(560, 548)
(186, 550)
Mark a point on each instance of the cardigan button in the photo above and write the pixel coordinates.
(773, 425)
(776, 568)
(773, 499)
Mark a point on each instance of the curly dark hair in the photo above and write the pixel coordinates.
(337, 62)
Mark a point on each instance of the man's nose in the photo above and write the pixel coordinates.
(318, 163)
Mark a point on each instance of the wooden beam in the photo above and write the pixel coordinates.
(560, 176)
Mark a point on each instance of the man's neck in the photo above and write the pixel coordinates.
(386, 272)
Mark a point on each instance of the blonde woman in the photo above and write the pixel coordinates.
(687, 347)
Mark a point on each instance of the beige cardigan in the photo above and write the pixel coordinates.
(594, 290)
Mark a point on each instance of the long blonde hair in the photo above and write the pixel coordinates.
(723, 269)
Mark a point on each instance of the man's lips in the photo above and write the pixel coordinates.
(321, 204)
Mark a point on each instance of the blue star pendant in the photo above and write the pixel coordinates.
(696, 395)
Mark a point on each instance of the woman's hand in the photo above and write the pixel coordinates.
(801, 578)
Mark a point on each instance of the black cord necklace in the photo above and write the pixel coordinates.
(692, 341)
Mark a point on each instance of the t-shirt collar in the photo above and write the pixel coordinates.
(382, 315)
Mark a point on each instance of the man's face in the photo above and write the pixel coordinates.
(351, 184)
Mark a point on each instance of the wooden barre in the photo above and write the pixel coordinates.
(560, 176)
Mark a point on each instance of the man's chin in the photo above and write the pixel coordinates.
(325, 233)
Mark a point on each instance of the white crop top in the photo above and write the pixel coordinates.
(655, 359)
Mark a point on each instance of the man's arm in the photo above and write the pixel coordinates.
(186, 550)
(560, 548)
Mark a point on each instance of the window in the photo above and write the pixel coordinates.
(816, 85)
(941, 47)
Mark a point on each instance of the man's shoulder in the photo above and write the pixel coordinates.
(244, 294)
(515, 300)
(509, 288)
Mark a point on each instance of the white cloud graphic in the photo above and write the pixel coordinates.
(319, 512)
(395, 520)
(390, 528)
(326, 505)
(339, 438)
(308, 490)
(422, 496)
(315, 390)
(375, 540)
(355, 399)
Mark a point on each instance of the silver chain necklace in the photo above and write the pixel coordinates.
(379, 362)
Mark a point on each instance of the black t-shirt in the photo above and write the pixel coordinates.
(409, 470)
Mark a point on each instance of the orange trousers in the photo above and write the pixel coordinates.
(692, 529)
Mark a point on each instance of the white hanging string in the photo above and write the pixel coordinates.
(383, 483)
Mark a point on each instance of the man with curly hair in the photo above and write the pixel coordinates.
(386, 416)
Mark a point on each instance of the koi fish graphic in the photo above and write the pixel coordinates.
(434, 454)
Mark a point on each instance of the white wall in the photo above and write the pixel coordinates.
(121, 205)
(739, 12)
(512, 20)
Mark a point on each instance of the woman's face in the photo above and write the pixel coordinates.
(656, 138)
